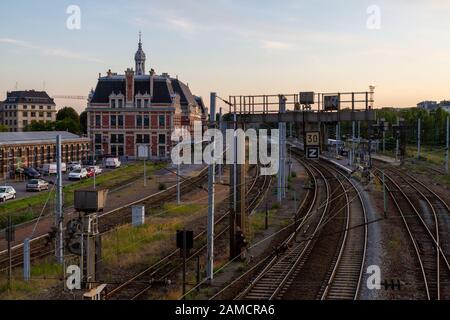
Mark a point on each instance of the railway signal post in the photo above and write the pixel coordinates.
(447, 144)
(210, 219)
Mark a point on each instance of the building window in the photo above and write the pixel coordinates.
(97, 120)
(161, 138)
(120, 103)
(25, 113)
(117, 138)
(113, 121)
(25, 122)
(49, 114)
(143, 138)
(146, 121)
(162, 121)
(113, 103)
(145, 103)
(139, 121)
(41, 114)
(41, 107)
(33, 114)
(33, 107)
(49, 107)
(120, 120)
(25, 107)
(138, 103)
(98, 138)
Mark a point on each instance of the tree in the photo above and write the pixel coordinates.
(68, 124)
(3, 128)
(83, 122)
(40, 126)
(67, 112)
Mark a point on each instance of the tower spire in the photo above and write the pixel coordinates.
(139, 57)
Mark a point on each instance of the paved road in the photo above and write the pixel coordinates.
(20, 186)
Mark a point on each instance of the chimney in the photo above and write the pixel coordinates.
(152, 75)
(129, 87)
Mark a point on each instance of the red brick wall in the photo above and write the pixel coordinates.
(129, 145)
(154, 144)
(154, 121)
(129, 121)
(105, 120)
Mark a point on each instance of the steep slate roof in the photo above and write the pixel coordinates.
(163, 88)
(28, 96)
(200, 103)
(186, 97)
(35, 136)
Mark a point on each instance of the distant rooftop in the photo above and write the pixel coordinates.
(35, 136)
(28, 96)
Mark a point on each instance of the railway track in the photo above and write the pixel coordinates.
(137, 286)
(425, 216)
(271, 281)
(42, 246)
(345, 279)
(276, 277)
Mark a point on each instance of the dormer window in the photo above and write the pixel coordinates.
(113, 103)
(139, 103)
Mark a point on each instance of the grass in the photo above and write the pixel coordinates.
(129, 240)
(258, 222)
(44, 275)
(22, 210)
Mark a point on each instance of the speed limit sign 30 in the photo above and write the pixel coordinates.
(312, 138)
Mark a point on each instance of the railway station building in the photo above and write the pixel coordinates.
(33, 149)
(139, 108)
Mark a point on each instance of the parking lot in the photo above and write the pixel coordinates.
(20, 186)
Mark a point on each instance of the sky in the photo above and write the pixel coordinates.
(233, 47)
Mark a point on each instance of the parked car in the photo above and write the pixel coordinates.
(50, 168)
(112, 163)
(78, 174)
(31, 173)
(96, 169)
(6, 193)
(73, 165)
(90, 172)
(37, 185)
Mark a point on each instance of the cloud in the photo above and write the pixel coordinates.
(48, 51)
(275, 45)
(181, 24)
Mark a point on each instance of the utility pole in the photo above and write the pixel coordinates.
(178, 185)
(397, 142)
(9, 236)
(95, 173)
(219, 165)
(145, 173)
(447, 144)
(59, 205)
(418, 138)
(282, 151)
(26, 259)
(384, 194)
(352, 154)
(359, 129)
(211, 174)
(184, 262)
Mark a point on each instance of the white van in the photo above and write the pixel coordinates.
(50, 168)
(112, 163)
